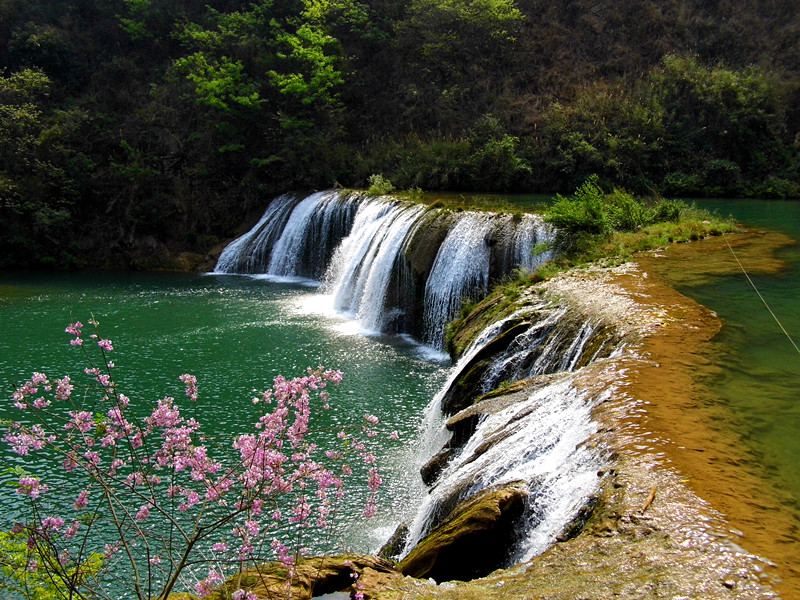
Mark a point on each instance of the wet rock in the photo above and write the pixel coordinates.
(473, 541)
(313, 576)
(430, 471)
(395, 544)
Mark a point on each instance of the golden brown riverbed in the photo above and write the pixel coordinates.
(689, 423)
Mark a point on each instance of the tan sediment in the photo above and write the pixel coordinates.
(689, 423)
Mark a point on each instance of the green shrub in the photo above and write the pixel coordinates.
(583, 212)
(379, 185)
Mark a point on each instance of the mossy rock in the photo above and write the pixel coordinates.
(473, 541)
(314, 576)
(466, 388)
(429, 233)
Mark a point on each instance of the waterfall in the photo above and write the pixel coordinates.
(359, 246)
(315, 226)
(537, 436)
(530, 233)
(460, 271)
(250, 253)
(362, 267)
(541, 443)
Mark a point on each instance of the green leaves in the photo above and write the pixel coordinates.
(312, 76)
(219, 82)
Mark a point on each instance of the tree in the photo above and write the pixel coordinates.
(726, 124)
(172, 515)
(37, 171)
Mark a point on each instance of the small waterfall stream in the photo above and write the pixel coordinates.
(460, 271)
(536, 435)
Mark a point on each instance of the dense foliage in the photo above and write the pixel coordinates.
(593, 225)
(129, 126)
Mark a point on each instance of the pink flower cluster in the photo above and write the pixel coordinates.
(160, 468)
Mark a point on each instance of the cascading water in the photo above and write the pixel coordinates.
(460, 270)
(541, 443)
(538, 438)
(360, 246)
(362, 267)
(528, 236)
(250, 253)
(316, 225)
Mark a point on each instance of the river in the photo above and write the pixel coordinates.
(235, 334)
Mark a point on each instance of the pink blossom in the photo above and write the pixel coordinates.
(241, 594)
(206, 586)
(70, 462)
(54, 523)
(252, 527)
(74, 328)
(190, 381)
(23, 441)
(82, 420)
(373, 480)
(63, 388)
(105, 345)
(281, 552)
(70, 531)
(31, 487)
(143, 512)
(41, 403)
(92, 458)
(38, 379)
(165, 415)
(220, 547)
(82, 500)
(394, 435)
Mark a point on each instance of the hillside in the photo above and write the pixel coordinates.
(127, 124)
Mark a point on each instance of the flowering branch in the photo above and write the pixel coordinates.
(155, 489)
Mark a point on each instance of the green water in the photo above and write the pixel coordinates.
(759, 375)
(235, 334)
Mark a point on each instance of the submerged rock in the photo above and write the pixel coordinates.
(473, 541)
